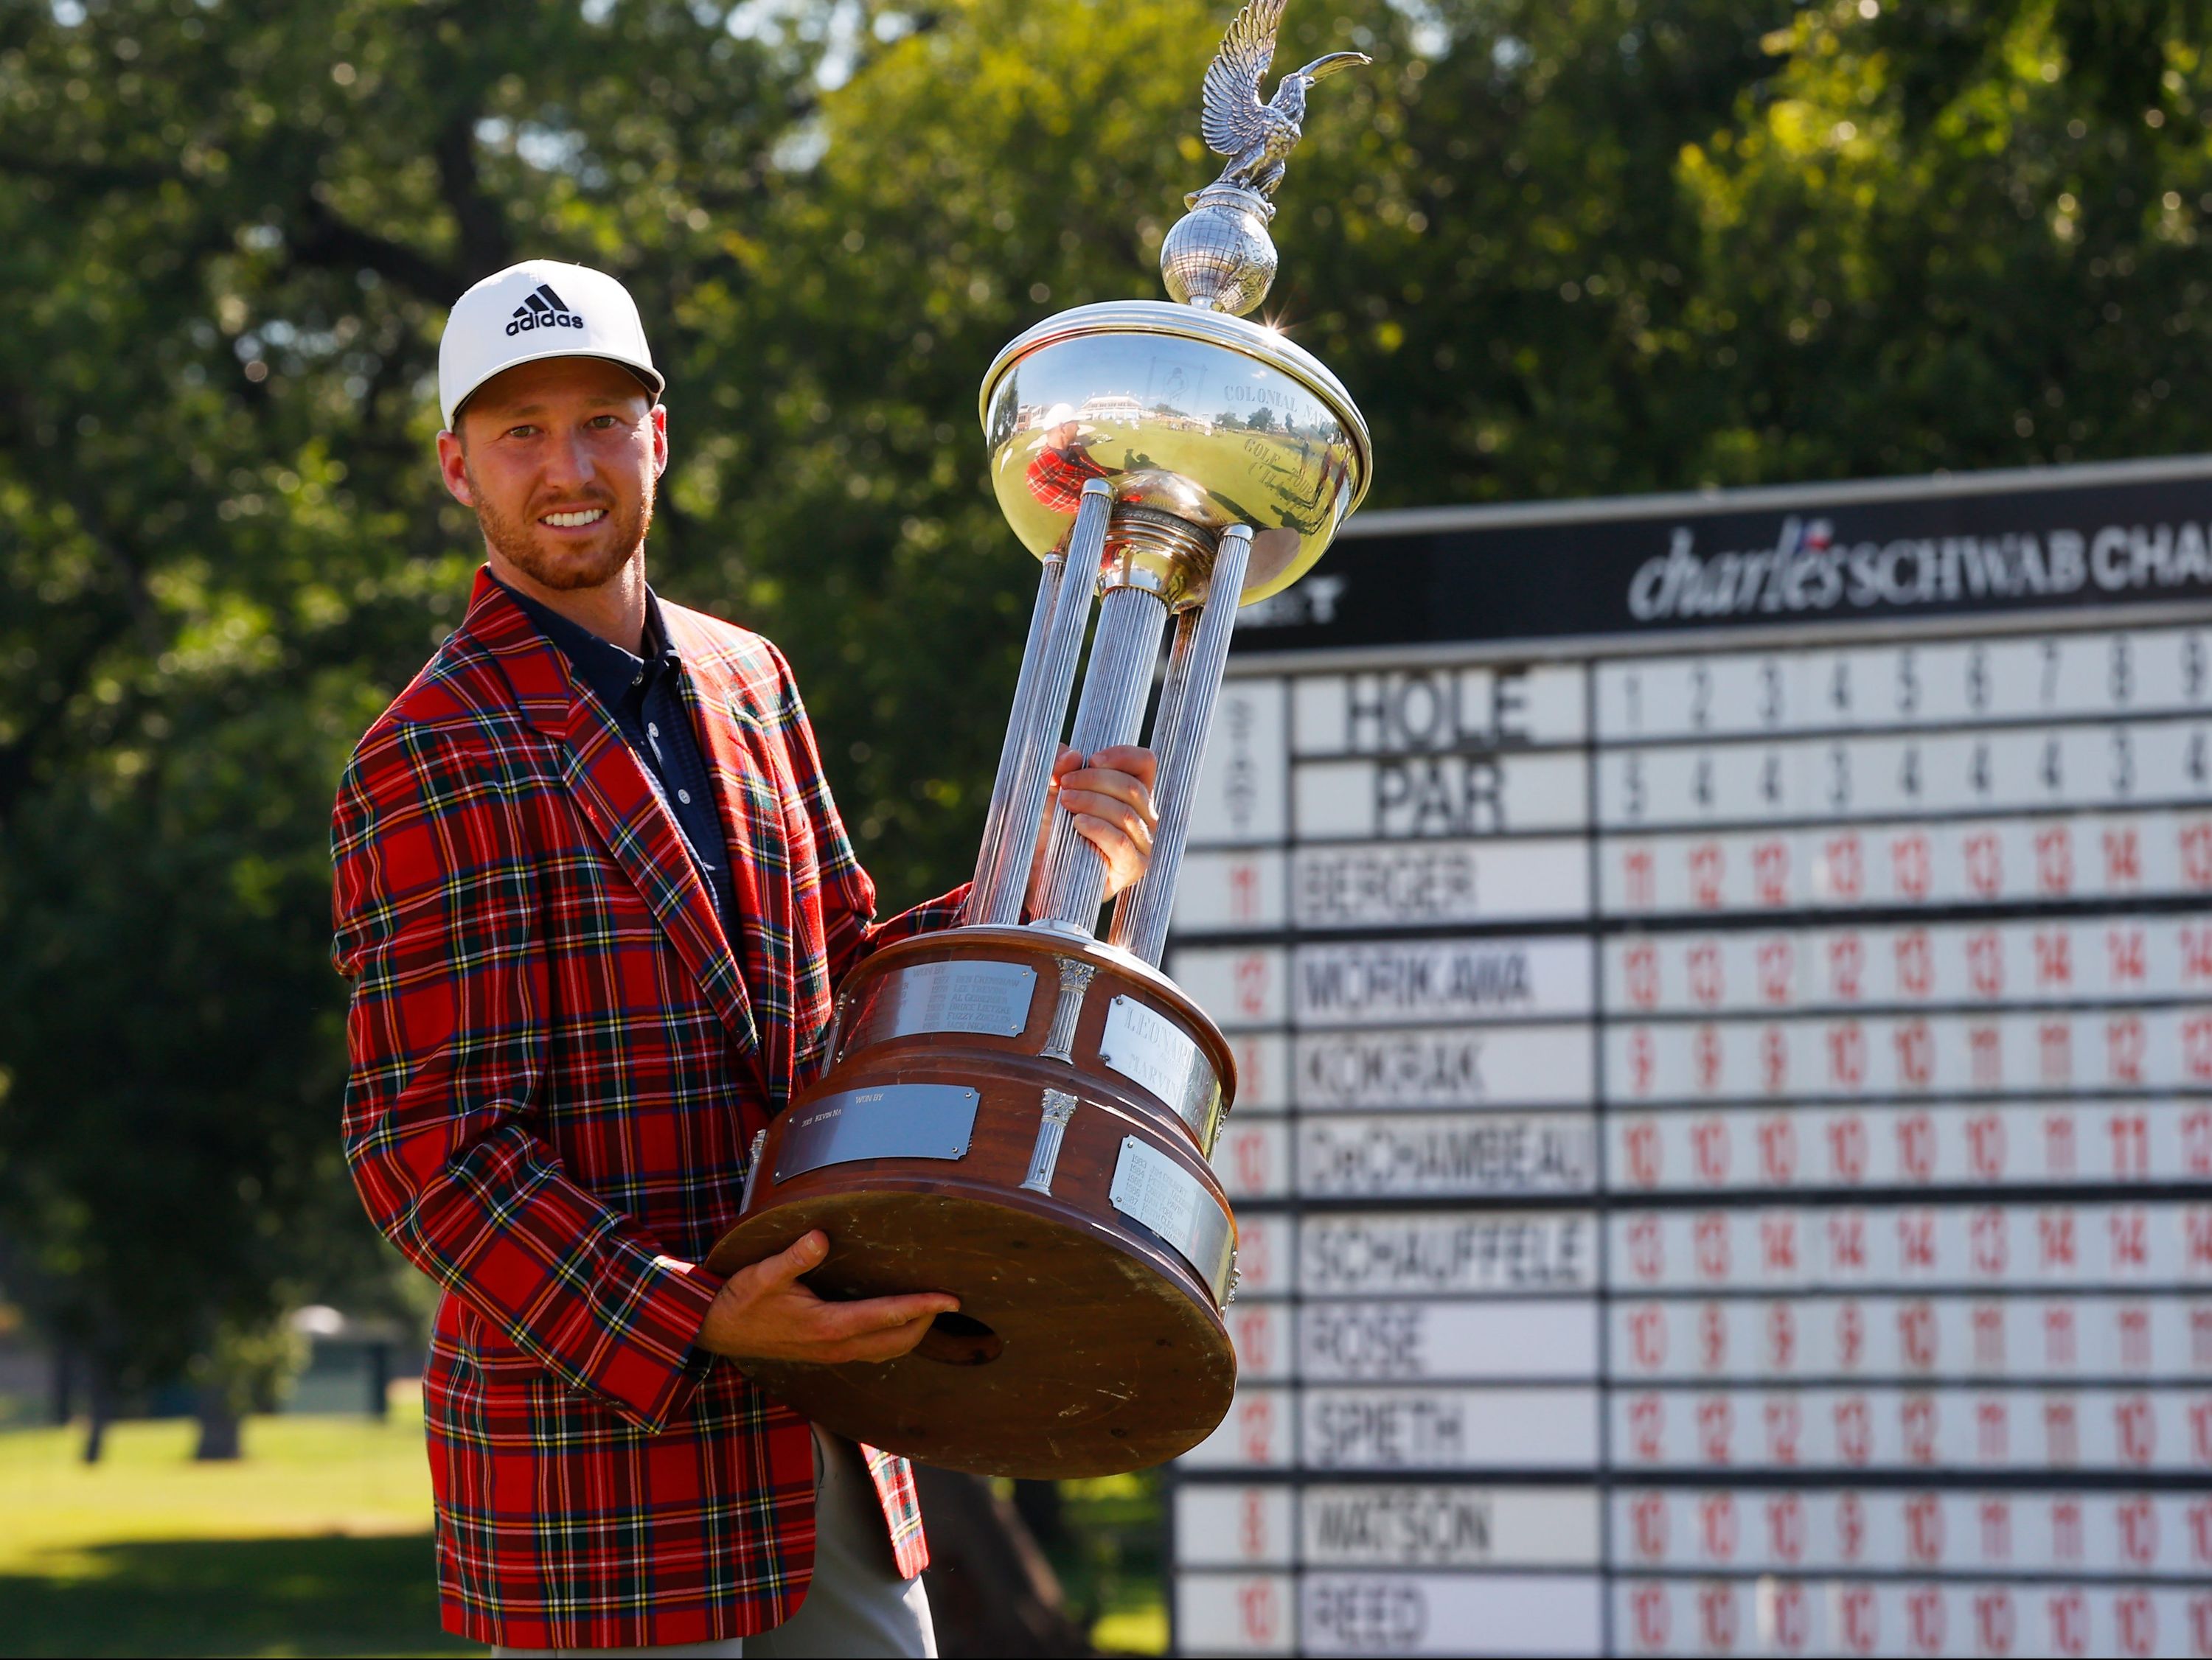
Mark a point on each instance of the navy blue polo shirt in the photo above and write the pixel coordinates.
(645, 696)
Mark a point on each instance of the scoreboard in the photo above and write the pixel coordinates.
(1722, 992)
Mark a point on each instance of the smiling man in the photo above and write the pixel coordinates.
(594, 897)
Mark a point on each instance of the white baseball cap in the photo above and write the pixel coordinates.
(537, 310)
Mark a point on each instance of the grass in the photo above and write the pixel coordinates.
(317, 1542)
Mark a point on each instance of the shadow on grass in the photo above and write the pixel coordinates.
(252, 1596)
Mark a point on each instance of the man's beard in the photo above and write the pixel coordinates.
(516, 541)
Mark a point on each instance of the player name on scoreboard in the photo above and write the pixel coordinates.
(1722, 990)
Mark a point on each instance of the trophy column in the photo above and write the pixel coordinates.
(1179, 731)
(1056, 626)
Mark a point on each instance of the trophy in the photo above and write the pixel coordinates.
(1013, 1110)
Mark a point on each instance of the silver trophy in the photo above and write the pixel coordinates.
(1014, 1111)
(1194, 463)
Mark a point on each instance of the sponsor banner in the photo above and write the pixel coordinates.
(1934, 1618)
(1889, 1055)
(1437, 710)
(1444, 1067)
(2120, 764)
(1938, 1428)
(1447, 1253)
(2073, 1534)
(2041, 858)
(2157, 1336)
(1406, 1428)
(1781, 1146)
(1436, 981)
(1451, 795)
(1432, 884)
(1848, 1247)
(1820, 559)
(1370, 1525)
(1461, 1340)
(2111, 959)
(2023, 679)
(1433, 1155)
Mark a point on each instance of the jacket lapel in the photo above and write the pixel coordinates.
(754, 828)
(603, 774)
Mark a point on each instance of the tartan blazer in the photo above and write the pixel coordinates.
(557, 1065)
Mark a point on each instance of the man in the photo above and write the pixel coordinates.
(594, 899)
(1063, 463)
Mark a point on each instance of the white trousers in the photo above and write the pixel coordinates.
(857, 1605)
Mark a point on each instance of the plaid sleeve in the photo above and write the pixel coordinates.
(848, 895)
(434, 904)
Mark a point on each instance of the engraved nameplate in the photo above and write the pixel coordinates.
(1154, 1053)
(898, 1121)
(960, 996)
(1151, 1188)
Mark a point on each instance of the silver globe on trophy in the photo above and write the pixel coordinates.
(1015, 1110)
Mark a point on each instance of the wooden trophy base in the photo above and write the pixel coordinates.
(1020, 1118)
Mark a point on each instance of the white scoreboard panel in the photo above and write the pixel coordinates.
(1724, 1141)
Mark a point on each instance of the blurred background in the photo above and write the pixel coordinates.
(1574, 248)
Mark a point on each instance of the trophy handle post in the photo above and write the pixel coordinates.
(995, 847)
(1112, 710)
(1041, 717)
(1141, 914)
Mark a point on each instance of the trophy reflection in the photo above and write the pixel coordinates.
(1016, 1111)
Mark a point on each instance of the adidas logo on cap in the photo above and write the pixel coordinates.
(542, 309)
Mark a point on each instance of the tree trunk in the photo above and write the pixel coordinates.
(99, 1407)
(991, 1590)
(64, 1386)
(1037, 1503)
(220, 1425)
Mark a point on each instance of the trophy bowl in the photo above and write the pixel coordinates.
(1207, 417)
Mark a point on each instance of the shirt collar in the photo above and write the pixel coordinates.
(612, 672)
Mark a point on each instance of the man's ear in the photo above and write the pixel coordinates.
(454, 468)
(659, 414)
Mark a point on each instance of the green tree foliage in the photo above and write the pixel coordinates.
(1573, 247)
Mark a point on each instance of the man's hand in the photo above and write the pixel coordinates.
(1111, 797)
(763, 1313)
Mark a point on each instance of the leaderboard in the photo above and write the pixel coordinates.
(1722, 990)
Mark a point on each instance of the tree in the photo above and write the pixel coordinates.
(1568, 248)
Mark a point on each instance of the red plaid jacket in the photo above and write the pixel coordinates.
(558, 1065)
(1056, 478)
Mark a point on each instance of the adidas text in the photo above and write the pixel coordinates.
(530, 320)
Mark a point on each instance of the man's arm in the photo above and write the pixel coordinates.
(436, 904)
